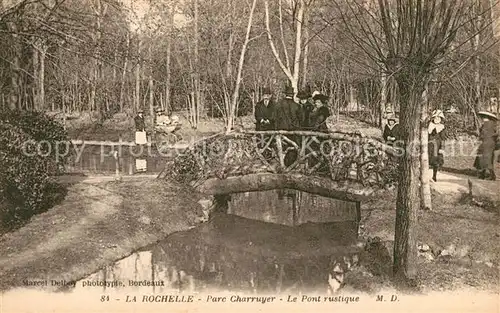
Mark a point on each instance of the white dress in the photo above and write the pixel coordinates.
(140, 138)
(141, 165)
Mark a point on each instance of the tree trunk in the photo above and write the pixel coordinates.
(41, 77)
(168, 56)
(36, 102)
(407, 203)
(151, 85)
(425, 192)
(306, 50)
(15, 68)
(298, 45)
(198, 106)
(477, 60)
(383, 98)
(293, 76)
(234, 102)
(124, 72)
(137, 98)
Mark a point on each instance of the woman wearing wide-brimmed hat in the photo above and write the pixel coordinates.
(392, 132)
(488, 135)
(436, 139)
(320, 113)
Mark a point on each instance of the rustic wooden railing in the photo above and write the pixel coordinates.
(341, 157)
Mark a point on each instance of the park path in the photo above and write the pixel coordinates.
(458, 184)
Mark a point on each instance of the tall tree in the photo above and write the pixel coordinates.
(416, 35)
(290, 70)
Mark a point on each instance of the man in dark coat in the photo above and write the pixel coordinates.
(264, 112)
(485, 154)
(289, 117)
(306, 106)
(288, 112)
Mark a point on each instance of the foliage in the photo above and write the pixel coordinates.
(26, 187)
(49, 136)
(456, 126)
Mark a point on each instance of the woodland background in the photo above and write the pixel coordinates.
(109, 56)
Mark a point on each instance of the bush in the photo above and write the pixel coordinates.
(456, 126)
(41, 127)
(26, 187)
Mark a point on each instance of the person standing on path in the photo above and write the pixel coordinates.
(488, 135)
(140, 139)
(436, 139)
(140, 128)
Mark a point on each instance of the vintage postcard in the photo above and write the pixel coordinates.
(249, 155)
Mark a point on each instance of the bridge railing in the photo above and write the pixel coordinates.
(341, 157)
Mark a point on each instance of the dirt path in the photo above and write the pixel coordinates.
(100, 221)
(457, 184)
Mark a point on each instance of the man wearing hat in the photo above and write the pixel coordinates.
(306, 106)
(436, 140)
(488, 135)
(288, 112)
(264, 112)
(289, 117)
(140, 128)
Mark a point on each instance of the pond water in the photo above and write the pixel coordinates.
(100, 159)
(252, 250)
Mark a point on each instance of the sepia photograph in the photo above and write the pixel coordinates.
(244, 155)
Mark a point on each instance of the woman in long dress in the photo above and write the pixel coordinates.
(140, 128)
(485, 155)
(436, 139)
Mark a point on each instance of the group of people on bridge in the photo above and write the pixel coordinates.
(310, 113)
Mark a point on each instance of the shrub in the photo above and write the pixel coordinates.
(26, 187)
(41, 127)
(456, 126)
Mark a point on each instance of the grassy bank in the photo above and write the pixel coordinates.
(470, 233)
(98, 223)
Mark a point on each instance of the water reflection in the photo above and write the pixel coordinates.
(277, 206)
(100, 159)
(232, 253)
